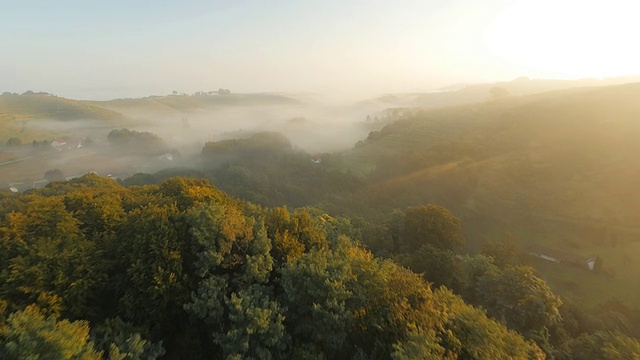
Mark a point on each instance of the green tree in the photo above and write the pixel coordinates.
(520, 299)
(122, 341)
(54, 175)
(151, 285)
(280, 227)
(430, 224)
(14, 142)
(467, 333)
(28, 334)
(98, 211)
(187, 192)
(135, 141)
(503, 252)
(315, 294)
(441, 267)
(233, 264)
(44, 253)
(476, 268)
(420, 344)
(256, 328)
(309, 230)
(605, 345)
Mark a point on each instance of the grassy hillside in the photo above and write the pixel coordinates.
(466, 94)
(21, 107)
(176, 105)
(559, 169)
(17, 110)
(28, 117)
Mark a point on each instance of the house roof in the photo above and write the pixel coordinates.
(58, 142)
(560, 255)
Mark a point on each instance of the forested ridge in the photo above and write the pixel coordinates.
(379, 180)
(557, 171)
(381, 267)
(91, 269)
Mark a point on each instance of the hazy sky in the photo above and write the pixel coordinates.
(116, 48)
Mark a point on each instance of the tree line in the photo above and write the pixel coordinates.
(91, 269)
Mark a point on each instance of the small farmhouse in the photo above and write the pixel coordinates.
(592, 263)
(58, 143)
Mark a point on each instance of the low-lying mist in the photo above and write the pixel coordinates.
(79, 146)
(311, 127)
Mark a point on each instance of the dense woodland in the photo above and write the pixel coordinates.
(92, 269)
(410, 245)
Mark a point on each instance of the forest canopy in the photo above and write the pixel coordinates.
(184, 269)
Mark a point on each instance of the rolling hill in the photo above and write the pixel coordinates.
(21, 116)
(184, 104)
(41, 106)
(16, 111)
(462, 94)
(558, 169)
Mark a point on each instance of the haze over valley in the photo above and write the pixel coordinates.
(320, 180)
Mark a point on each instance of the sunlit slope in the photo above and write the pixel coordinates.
(463, 94)
(17, 112)
(23, 107)
(177, 105)
(559, 169)
(543, 151)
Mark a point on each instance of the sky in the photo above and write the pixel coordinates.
(114, 49)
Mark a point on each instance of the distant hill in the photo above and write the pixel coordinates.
(183, 104)
(581, 132)
(17, 111)
(559, 169)
(39, 106)
(461, 94)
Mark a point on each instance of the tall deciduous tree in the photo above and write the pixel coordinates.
(430, 224)
(605, 345)
(519, 298)
(28, 334)
(233, 264)
(151, 284)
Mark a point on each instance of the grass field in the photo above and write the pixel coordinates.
(39, 117)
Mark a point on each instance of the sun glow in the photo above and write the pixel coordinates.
(569, 38)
